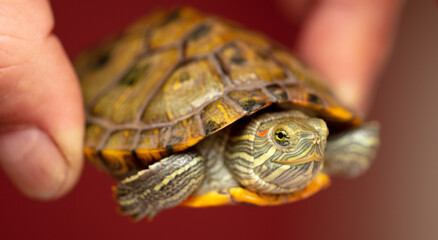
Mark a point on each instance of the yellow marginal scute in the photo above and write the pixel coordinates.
(339, 113)
(190, 142)
(210, 199)
(224, 112)
(92, 156)
(119, 157)
(307, 105)
(148, 156)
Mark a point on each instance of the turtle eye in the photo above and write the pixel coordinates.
(282, 137)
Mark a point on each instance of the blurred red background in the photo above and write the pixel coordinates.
(397, 199)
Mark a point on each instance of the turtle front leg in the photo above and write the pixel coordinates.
(351, 153)
(163, 185)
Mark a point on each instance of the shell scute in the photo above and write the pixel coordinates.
(185, 92)
(102, 65)
(94, 135)
(213, 33)
(299, 70)
(119, 162)
(278, 93)
(124, 101)
(173, 27)
(250, 101)
(248, 65)
(123, 139)
(93, 157)
(186, 133)
(148, 146)
(219, 114)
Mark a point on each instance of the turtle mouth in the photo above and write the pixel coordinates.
(314, 157)
(315, 153)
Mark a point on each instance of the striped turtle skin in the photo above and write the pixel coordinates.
(177, 78)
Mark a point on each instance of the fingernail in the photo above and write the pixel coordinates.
(33, 162)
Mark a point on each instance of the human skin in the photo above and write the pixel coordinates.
(41, 111)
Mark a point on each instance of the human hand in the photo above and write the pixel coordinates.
(347, 41)
(41, 112)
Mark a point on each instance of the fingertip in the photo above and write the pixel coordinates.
(348, 42)
(35, 164)
(70, 143)
(353, 95)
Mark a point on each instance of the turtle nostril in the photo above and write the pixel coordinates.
(315, 139)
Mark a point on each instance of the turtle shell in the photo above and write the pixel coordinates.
(176, 77)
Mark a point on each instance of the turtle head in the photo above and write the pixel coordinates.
(277, 153)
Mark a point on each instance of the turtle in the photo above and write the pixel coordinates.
(189, 109)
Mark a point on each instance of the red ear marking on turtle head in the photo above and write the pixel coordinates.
(262, 134)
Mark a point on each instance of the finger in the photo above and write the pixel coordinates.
(41, 117)
(348, 41)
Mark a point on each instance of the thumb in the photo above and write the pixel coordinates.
(41, 117)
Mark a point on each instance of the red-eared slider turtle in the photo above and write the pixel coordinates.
(187, 109)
